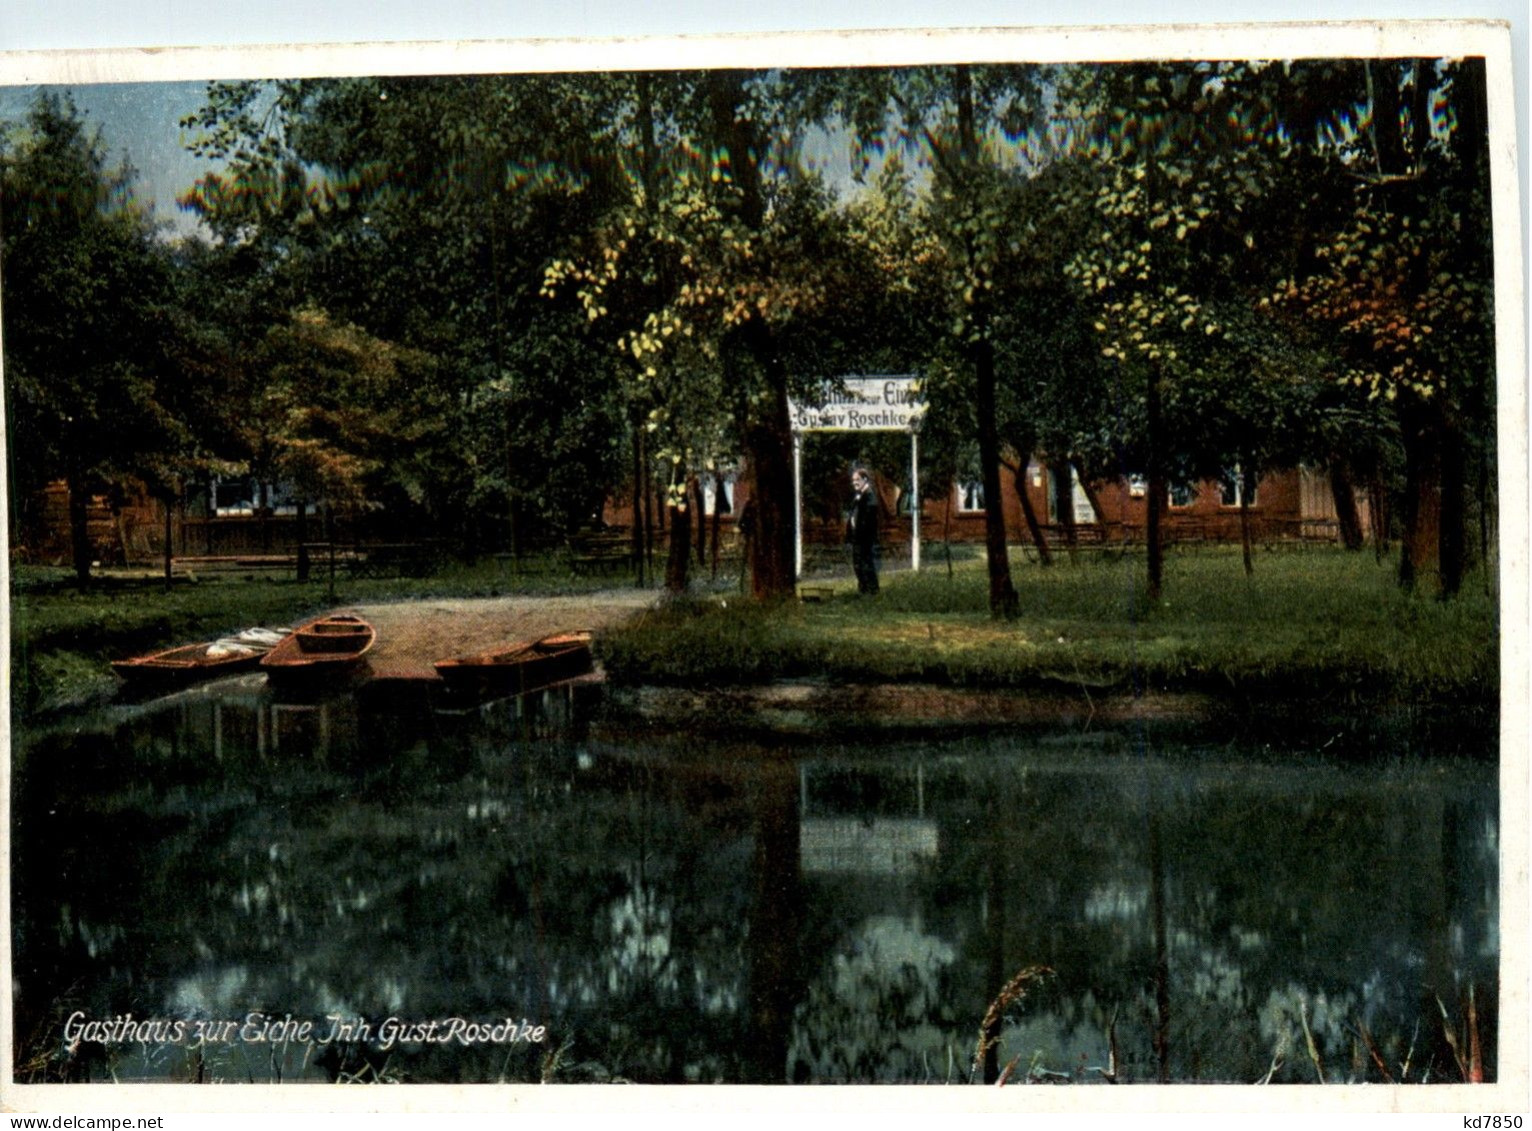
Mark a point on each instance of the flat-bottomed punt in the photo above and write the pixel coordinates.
(519, 668)
(210, 659)
(333, 645)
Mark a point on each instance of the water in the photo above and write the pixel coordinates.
(576, 903)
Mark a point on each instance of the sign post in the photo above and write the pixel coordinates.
(915, 500)
(797, 504)
(885, 403)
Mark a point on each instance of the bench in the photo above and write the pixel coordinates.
(597, 551)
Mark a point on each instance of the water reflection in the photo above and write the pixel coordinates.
(670, 908)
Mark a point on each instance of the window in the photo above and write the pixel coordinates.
(971, 495)
(1182, 494)
(710, 492)
(1138, 486)
(1232, 484)
(243, 496)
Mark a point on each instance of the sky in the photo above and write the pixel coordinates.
(140, 119)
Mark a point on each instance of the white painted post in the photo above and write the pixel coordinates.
(914, 500)
(797, 505)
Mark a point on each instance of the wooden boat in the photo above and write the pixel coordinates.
(330, 646)
(193, 662)
(519, 668)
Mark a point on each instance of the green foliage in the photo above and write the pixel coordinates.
(91, 388)
(423, 212)
(464, 298)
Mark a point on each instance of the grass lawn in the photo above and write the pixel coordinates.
(1315, 622)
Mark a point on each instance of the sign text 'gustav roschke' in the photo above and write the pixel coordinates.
(862, 404)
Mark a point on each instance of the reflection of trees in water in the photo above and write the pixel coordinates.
(690, 913)
(1272, 877)
(581, 899)
(878, 1009)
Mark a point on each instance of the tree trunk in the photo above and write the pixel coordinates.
(1003, 601)
(1387, 138)
(645, 488)
(1432, 520)
(79, 529)
(1420, 549)
(263, 508)
(1452, 531)
(767, 432)
(769, 449)
(1064, 503)
(947, 528)
(304, 565)
(1091, 497)
(329, 536)
(1159, 487)
(168, 547)
(720, 500)
(1377, 516)
(1029, 512)
(1348, 522)
(699, 508)
(212, 509)
(636, 534)
(678, 561)
(1244, 523)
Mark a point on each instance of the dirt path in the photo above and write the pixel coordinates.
(412, 635)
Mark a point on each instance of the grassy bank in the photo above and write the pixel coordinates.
(1317, 623)
(62, 640)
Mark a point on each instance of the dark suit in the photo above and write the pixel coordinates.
(863, 535)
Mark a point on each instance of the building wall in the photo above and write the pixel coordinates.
(126, 532)
(130, 530)
(1288, 504)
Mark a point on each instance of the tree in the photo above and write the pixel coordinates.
(1166, 184)
(423, 210)
(949, 114)
(1403, 289)
(717, 278)
(89, 320)
(1202, 205)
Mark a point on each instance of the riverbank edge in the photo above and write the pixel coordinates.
(817, 707)
(810, 706)
(661, 699)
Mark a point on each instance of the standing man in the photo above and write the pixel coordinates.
(862, 533)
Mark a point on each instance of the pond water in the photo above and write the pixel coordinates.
(224, 886)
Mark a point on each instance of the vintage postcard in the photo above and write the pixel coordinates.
(978, 569)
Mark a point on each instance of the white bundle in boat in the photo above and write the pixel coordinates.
(262, 637)
(229, 647)
(246, 642)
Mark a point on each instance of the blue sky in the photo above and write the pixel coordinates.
(141, 118)
(137, 120)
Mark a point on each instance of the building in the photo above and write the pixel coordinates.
(1288, 505)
